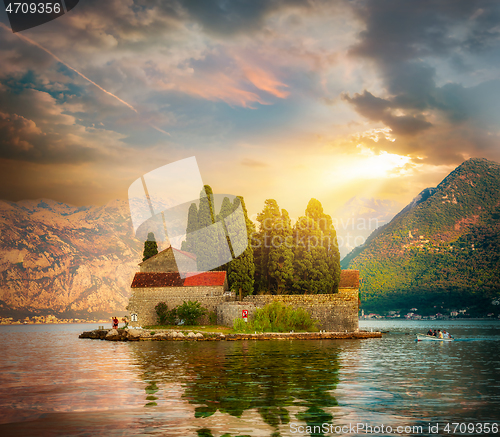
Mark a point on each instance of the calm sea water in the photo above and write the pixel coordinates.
(54, 384)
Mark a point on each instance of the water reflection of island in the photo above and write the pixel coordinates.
(274, 378)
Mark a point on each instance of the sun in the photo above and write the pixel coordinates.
(367, 165)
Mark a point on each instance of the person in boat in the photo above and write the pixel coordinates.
(429, 332)
(446, 334)
(440, 334)
(435, 334)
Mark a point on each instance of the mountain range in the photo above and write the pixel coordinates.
(442, 251)
(69, 261)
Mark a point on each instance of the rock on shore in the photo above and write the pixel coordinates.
(172, 335)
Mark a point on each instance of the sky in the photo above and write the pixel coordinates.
(359, 104)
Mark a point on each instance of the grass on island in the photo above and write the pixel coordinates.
(193, 328)
(242, 328)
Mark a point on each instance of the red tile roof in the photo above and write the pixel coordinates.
(173, 279)
(205, 278)
(349, 279)
(169, 279)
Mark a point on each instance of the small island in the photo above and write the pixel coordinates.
(285, 273)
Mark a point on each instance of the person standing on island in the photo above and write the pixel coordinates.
(115, 323)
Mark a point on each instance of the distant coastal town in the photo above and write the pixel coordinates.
(413, 315)
(45, 320)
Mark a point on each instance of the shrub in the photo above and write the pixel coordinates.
(239, 325)
(212, 318)
(277, 317)
(190, 312)
(161, 309)
(165, 316)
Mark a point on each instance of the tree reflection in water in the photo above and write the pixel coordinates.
(232, 377)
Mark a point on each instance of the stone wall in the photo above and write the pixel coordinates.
(335, 312)
(143, 300)
(228, 311)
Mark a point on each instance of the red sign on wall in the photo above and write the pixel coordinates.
(244, 314)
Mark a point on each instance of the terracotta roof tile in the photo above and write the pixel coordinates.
(349, 279)
(205, 278)
(173, 279)
(170, 279)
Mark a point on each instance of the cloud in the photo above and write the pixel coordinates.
(377, 109)
(226, 18)
(264, 80)
(248, 162)
(410, 44)
(34, 128)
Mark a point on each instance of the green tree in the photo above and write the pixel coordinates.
(280, 261)
(207, 239)
(192, 226)
(262, 243)
(226, 210)
(207, 189)
(150, 247)
(241, 270)
(317, 258)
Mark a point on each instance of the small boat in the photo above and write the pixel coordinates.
(423, 337)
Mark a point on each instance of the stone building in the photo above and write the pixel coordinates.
(149, 288)
(159, 281)
(170, 260)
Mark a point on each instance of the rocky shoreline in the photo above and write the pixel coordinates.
(172, 335)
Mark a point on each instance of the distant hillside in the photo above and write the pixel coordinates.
(60, 259)
(442, 250)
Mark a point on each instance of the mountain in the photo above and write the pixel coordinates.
(66, 260)
(358, 218)
(442, 251)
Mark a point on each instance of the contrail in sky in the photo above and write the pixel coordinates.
(25, 38)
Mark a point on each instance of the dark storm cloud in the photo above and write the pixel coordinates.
(378, 109)
(22, 140)
(408, 41)
(225, 17)
(35, 128)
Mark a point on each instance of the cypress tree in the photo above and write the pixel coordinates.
(207, 240)
(317, 257)
(269, 215)
(210, 197)
(150, 247)
(192, 226)
(226, 210)
(241, 270)
(280, 264)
